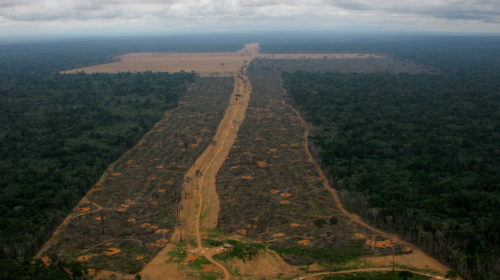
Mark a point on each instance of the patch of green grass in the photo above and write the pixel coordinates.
(178, 255)
(210, 276)
(196, 264)
(193, 243)
(132, 249)
(214, 233)
(323, 256)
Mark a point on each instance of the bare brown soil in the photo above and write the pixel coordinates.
(133, 206)
(206, 64)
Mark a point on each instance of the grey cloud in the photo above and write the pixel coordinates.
(224, 12)
(13, 3)
(486, 10)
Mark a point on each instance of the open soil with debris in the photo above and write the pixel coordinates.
(271, 191)
(130, 213)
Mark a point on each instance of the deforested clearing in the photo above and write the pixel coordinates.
(205, 64)
(125, 221)
(224, 64)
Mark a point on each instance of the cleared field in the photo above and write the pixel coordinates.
(206, 64)
(130, 214)
(271, 191)
(320, 56)
(200, 206)
(363, 64)
(212, 63)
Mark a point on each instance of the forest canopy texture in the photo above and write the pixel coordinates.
(415, 154)
(59, 133)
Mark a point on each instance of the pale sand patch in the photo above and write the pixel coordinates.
(304, 242)
(242, 232)
(262, 164)
(360, 236)
(206, 64)
(112, 251)
(286, 194)
(84, 209)
(83, 258)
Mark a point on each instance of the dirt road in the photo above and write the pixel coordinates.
(200, 205)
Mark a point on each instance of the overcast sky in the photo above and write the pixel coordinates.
(29, 17)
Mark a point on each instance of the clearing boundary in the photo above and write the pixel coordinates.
(197, 213)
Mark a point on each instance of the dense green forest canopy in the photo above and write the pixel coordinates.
(418, 154)
(57, 135)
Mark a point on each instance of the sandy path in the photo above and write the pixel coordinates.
(200, 204)
(418, 257)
